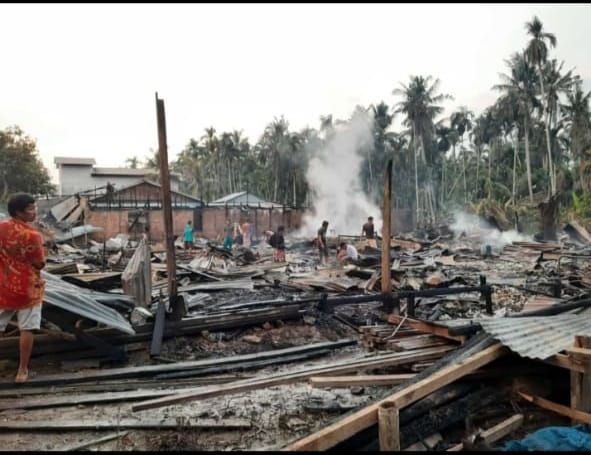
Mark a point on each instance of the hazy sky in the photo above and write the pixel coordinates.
(81, 78)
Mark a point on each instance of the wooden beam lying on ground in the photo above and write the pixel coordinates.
(359, 380)
(291, 377)
(558, 408)
(128, 424)
(93, 442)
(499, 431)
(425, 327)
(74, 399)
(347, 427)
(151, 370)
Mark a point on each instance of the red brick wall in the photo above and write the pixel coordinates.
(116, 222)
(214, 219)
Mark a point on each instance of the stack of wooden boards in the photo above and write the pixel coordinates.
(386, 337)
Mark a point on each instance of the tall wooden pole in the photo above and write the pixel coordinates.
(176, 304)
(386, 280)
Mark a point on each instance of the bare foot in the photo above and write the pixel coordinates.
(21, 377)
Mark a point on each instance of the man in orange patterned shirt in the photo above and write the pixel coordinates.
(21, 286)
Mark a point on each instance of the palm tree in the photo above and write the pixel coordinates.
(461, 122)
(519, 87)
(536, 53)
(578, 119)
(419, 104)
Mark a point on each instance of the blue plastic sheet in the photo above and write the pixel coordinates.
(576, 438)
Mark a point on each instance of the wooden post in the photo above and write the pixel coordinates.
(388, 424)
(580, 383)
(176, 304)
(386, 274)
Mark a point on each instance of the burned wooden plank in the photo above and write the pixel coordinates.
(129, 424)
(291, 377)
(157, 335)
(93, 442)
(150, 370)
(499, 431)
(360, 380)
(426, 327)
(345, 428)
(558, 408)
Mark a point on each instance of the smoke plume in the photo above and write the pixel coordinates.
(333, 175)
(488, 235)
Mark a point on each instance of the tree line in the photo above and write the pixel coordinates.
(533, 141)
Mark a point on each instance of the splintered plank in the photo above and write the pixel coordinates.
(345, 428)
(359, 380)
(291, 377)
(127, 424)
(425, 327)
(499, 431)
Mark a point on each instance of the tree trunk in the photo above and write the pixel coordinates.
(490, 152)
(478, 151)
(547, 130)
(515, 152)
(294, 189)
(416, 173)
(464, 172)
(528, 160)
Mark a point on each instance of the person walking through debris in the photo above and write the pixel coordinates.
(368, 230)
(321, 241)
(229, 235)
(347, 253)
(21, 287)
(246, 234)
(188, 236)
(277, 241)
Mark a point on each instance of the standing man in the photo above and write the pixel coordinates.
(277, 241)
(21, 286)
(321, 240)
(188, 236)
(368, 230)
(229, 235)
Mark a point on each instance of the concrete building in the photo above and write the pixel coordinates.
(77, 175)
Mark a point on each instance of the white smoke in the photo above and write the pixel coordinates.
(473, 225)
(333, 176)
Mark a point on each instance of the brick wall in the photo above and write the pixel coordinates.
(214, 219)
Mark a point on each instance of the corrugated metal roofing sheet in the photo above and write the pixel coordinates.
(537, 337)
(84, 303)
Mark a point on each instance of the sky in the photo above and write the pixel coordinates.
(81, 79)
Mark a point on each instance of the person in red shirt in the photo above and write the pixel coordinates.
(21, 287)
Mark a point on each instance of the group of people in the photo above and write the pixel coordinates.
(233, 233)
(242, 234)
(346, 252)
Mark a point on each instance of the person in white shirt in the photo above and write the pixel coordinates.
(347, 253)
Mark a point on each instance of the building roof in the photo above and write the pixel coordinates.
(74, 161)
(244, 198)
(102, 199)
(122, 171)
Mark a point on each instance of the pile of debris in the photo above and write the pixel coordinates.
(471, 341)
